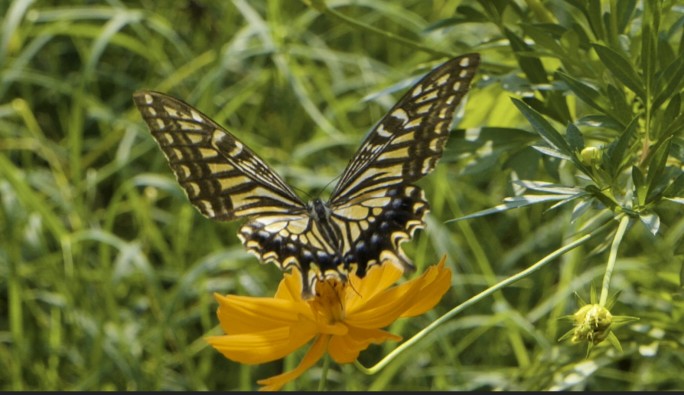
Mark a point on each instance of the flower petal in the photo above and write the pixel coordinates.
(410, 298)
(290, 287)
(437, 281)
(264, 346)
(243, 314)
(377, 279)
(385, 307)
(337, 328)
(312, 356)
(345, 349)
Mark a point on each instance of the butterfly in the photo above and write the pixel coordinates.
(373, 208)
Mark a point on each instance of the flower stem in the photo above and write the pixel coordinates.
(612, 257)
(496, 287)
(324, 373)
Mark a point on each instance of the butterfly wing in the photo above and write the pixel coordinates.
(374, 203)
(225, 180)
(407, 142)
(222, 177)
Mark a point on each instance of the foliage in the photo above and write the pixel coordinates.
(572, 133)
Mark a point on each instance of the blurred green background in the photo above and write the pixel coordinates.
(107, 272)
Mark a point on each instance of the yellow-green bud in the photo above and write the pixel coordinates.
(592, 324)
(590, 155)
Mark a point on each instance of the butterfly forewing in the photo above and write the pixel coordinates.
(407, 142)
(221, 176)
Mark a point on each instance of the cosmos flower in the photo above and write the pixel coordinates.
(342, 319)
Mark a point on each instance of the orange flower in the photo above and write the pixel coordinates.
(344, 319)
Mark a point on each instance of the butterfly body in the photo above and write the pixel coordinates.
(373, 208)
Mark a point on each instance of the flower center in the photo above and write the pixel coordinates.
(328, 305)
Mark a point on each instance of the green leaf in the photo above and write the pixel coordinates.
(621, 68)
(542, 186)
(551, 165)
(616, 153)
(444, 23)
(516, 202)
(470, 140)
(656, 169)
(582, 207)
(648, 58)
(492, 146)
(471, 14)
(651, 220)
(639, 185)
(554, 153)
(544, 37)
(593, 15)
(525, 162)
(585, 92)
(601, 121)
(673, 109)
(671, 80)
(600, 196)
(624, 11)
(676, 189)
(496, 9)
(678, 201)
(673, 128)
(530, 65)
(581, 34)
(544, 128)
(575, 139)
(621, 109)
(555, 104)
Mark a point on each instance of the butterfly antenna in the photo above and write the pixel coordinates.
(351, 285)
(302, 192)
(320, 190)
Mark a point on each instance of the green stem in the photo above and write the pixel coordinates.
(612, 257)
(494, 288)
(324, 373)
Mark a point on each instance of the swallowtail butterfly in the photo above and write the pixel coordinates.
(373, 208)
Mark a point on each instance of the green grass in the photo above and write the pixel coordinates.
(107, 272)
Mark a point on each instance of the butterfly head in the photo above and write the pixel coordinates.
(318, 210)
(320, 281)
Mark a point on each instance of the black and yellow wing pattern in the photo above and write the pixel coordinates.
(373, 208)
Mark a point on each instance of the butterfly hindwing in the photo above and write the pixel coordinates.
(222, 177)
(373, 229)
(291, 241)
